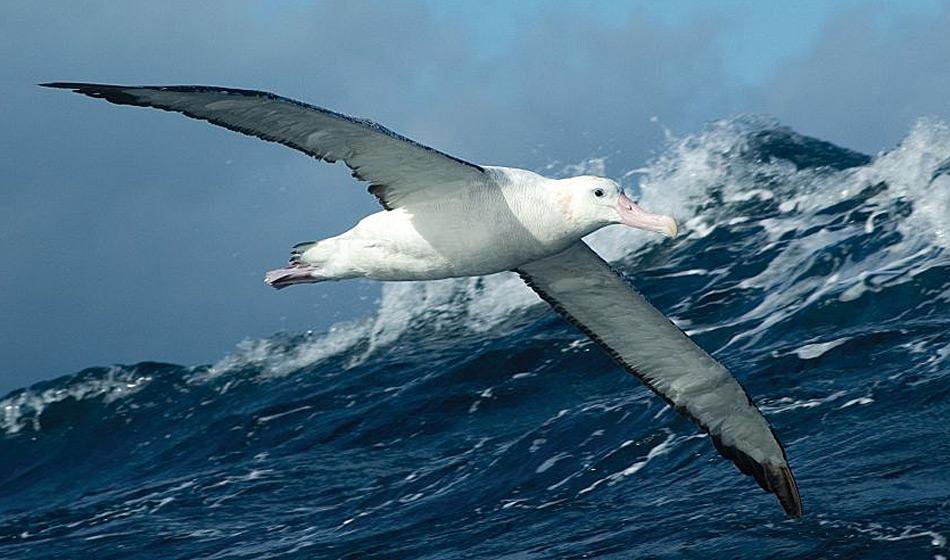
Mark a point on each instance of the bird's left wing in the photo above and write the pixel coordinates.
(586, 291)
(395, 166)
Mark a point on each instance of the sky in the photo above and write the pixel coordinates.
(129, 234)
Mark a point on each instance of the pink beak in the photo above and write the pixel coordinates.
(636, 217)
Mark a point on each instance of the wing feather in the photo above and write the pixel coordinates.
(395, 166)
(586, 291)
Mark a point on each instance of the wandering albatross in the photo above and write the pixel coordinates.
(444, 217)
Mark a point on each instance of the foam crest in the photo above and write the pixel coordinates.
(24, 408)
(275, 358)
(918, 170)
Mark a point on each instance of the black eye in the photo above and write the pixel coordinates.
(598, 192)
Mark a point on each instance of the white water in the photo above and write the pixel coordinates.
(24, 408)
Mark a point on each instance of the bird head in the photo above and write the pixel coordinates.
(595, 202)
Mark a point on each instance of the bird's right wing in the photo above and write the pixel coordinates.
(394, 166)
(586, 291)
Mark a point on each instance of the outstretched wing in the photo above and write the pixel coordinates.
(586, 291)
(394, 165)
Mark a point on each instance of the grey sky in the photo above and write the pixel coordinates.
(130, 234)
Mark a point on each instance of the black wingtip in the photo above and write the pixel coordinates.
(120, 95)
(776, 479)
(782, 483)
(63, 85)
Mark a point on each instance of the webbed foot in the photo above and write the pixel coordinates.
(283, 277)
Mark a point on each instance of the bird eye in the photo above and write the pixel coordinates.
(598, 192)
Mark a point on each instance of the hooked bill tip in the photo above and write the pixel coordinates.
(671, 230)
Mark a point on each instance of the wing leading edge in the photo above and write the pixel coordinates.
(586, 291)
(395, 166)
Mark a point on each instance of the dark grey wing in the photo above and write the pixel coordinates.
(395, 166)
(586, 291)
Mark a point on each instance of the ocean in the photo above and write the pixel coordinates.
(464, 419)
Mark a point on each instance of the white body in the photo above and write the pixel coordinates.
(515, 217)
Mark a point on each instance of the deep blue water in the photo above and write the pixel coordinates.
(465, 420)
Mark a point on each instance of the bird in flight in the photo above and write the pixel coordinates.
(444, 217)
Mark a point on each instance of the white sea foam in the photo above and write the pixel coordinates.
(857, 401)
(812, 351)
(660, 449)
(785, 404)
(881, 532)
(551, 461)
(23, 409)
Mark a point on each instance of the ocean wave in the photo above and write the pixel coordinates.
(464, 419)
(24, 408)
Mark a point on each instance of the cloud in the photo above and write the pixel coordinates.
(869, 76)
(571, 86)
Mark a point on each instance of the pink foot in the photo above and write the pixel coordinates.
(283, 277)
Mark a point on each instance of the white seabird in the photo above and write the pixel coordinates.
(445, 218)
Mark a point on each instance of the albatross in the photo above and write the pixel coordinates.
(444, 217)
